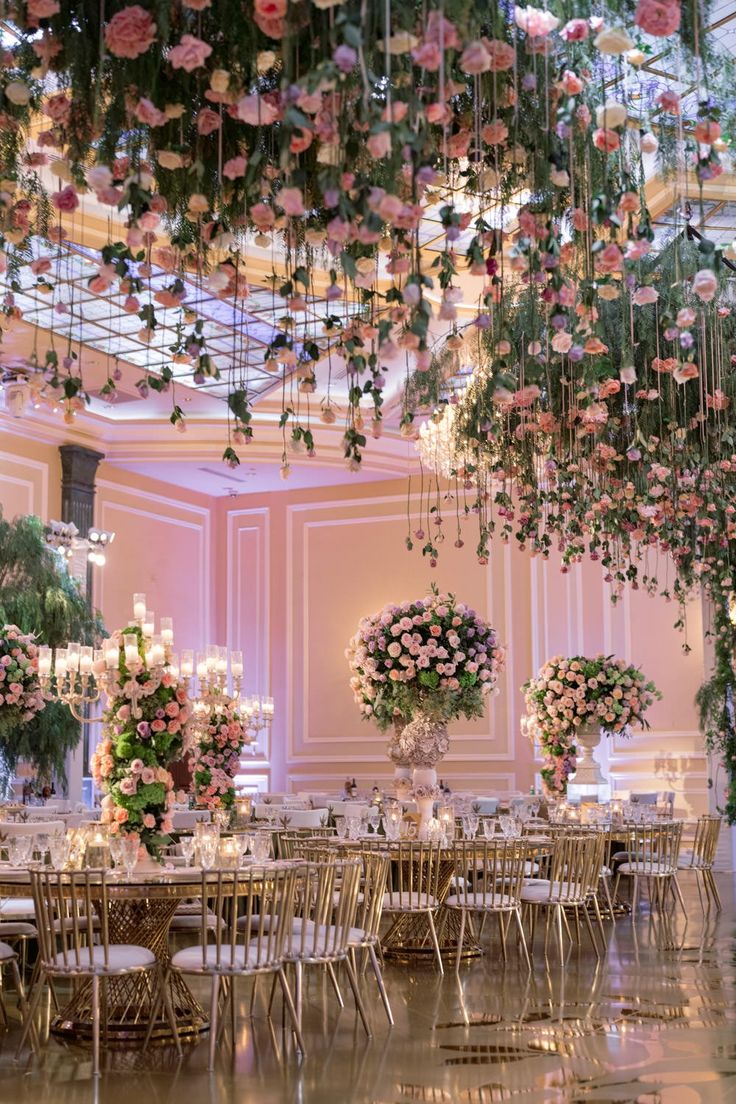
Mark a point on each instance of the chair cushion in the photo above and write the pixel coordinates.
(231, 959)
(192, 921)
(17, 908)
(6, 952)
(643, 868)
(540, 891)
(321, 940)
(121, 957)
(14, 929)
(408, 902)
(479, 900)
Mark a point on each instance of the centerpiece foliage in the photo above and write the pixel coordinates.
(38, 596)
(434, 656)
(216, 757)
(570, 693)
(146, 727)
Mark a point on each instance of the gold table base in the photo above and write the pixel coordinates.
(409, 936)
(127, 1001)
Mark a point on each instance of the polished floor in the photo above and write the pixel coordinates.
(653, 1023)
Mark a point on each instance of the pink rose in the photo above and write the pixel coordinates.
(130, 32)
(147, 776)
(606, 140)
(147, 112)
(475, 58)
(58, 108)
(196, 5)
(172, 709)
(707, 131)
(234, 168)
(66, 200)
(208, 121)
(644, 295)
(571, 83)
(379, 145)
(270, 9)
(190, 54)
(535, 22)
(575, 30)
(502, 55)
(495, 133)
(120, 814)
(669, 101)
(149, 821)
(659, 18)
(42, 9)
(256, 110)
(291, 201)
(158, 725)
(705, 284)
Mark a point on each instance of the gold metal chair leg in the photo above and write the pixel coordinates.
(714, 888)
(289, 1003)
(522, 939)
(591, 933)
(30, 1015)
(169, 1007)
(460, 938)
(381, 985)
(435, 941)
(214, 1015)
(335, 984)
(95, 1025)
(358, 999)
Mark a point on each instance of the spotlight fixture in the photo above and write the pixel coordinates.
(64, 538)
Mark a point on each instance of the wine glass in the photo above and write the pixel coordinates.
(489, 828)
(470, 825)
(353, 827)
(19, 850)
(340, 827)
(208, 846)
(129, 853)
(59, 848)
(187, 845)
(261, 847)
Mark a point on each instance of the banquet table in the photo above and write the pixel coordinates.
(408, 938)
(141, 908)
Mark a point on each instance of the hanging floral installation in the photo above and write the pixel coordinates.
(220, 736)
(569, 693)
(599, 419)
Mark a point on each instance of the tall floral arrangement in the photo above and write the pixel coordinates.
(435, 656)
(145, 728)
(21, 697)
(216, 755)
(570, 693)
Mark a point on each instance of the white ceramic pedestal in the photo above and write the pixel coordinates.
(424, 776)
(587, 772)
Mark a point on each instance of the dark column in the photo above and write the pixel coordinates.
(78, 471)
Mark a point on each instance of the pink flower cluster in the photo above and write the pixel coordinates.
(21, 696)
(435, 648)
(216, 758)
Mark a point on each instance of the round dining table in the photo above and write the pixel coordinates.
(140, 910)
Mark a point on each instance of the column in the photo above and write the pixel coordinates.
(78, 472)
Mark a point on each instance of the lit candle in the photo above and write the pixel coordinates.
(157, 652)
(236, 664)
(221, 661)
(267, 707)
(173, 666)
(139, 606)
(60, 665)
(149, 622)
(187, 664)
(167, 631)
(86, 659)
(72, 657)
(201, 666)
(44, 661)
(130, 641)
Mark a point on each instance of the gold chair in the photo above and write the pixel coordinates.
(652, 851)
(73, 942)
(573, 879)
(489, 877)
(324, 919)
(699, 858)
(263, 900)
(413, 887)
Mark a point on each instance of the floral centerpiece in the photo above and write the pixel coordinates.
(419, 665)
(145, 728)
(216, 756)
(21, 697)
(572, 696)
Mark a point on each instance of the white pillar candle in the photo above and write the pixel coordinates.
(187, 664)
(167, 631)
(72, 657)
(85, 660)
(44, 661)
(139, 606)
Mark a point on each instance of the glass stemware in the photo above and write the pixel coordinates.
(261, 847)
(208, 846)
(59, 850)
(489, 828)
(187, 844)
(129, 851)
(116, 851)
(20, 849)
(470, 825)
(340, 827)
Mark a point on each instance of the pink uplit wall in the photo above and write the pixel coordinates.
(295, 572)
(287, 576)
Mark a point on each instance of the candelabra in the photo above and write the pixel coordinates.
(257, 714)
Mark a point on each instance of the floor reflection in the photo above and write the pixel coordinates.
(653, 1023)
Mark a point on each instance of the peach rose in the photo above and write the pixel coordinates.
(130, 32)
(659, 18)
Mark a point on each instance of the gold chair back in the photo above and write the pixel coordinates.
(262, 899)
(71, 918)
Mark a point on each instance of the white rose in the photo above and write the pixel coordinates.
(18, 93)
(610, 114)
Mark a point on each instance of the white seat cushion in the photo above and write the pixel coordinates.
(540, 891)
(645, 869)
(231, 959)
(6, 952)
(310, 941)
(479, 900)
(408, 901)
(17, 908)
(192, 921)
(14, 928)
(121, 957)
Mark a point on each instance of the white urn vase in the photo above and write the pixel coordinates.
(424, 783)
(587, 771)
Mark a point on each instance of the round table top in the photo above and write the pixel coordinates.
(179, 882)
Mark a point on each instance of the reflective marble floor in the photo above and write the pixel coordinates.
(652, 1024)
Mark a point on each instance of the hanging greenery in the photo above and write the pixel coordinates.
(38, 595)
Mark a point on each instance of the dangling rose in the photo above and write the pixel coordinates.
(130, 32)
(659, 18)
(705, 284)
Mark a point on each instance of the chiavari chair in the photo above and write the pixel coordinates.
(263, 899)
(73, 943)
(651, 852)
(699, 858)
(489, 877)
(573, 878)
(414, 885)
